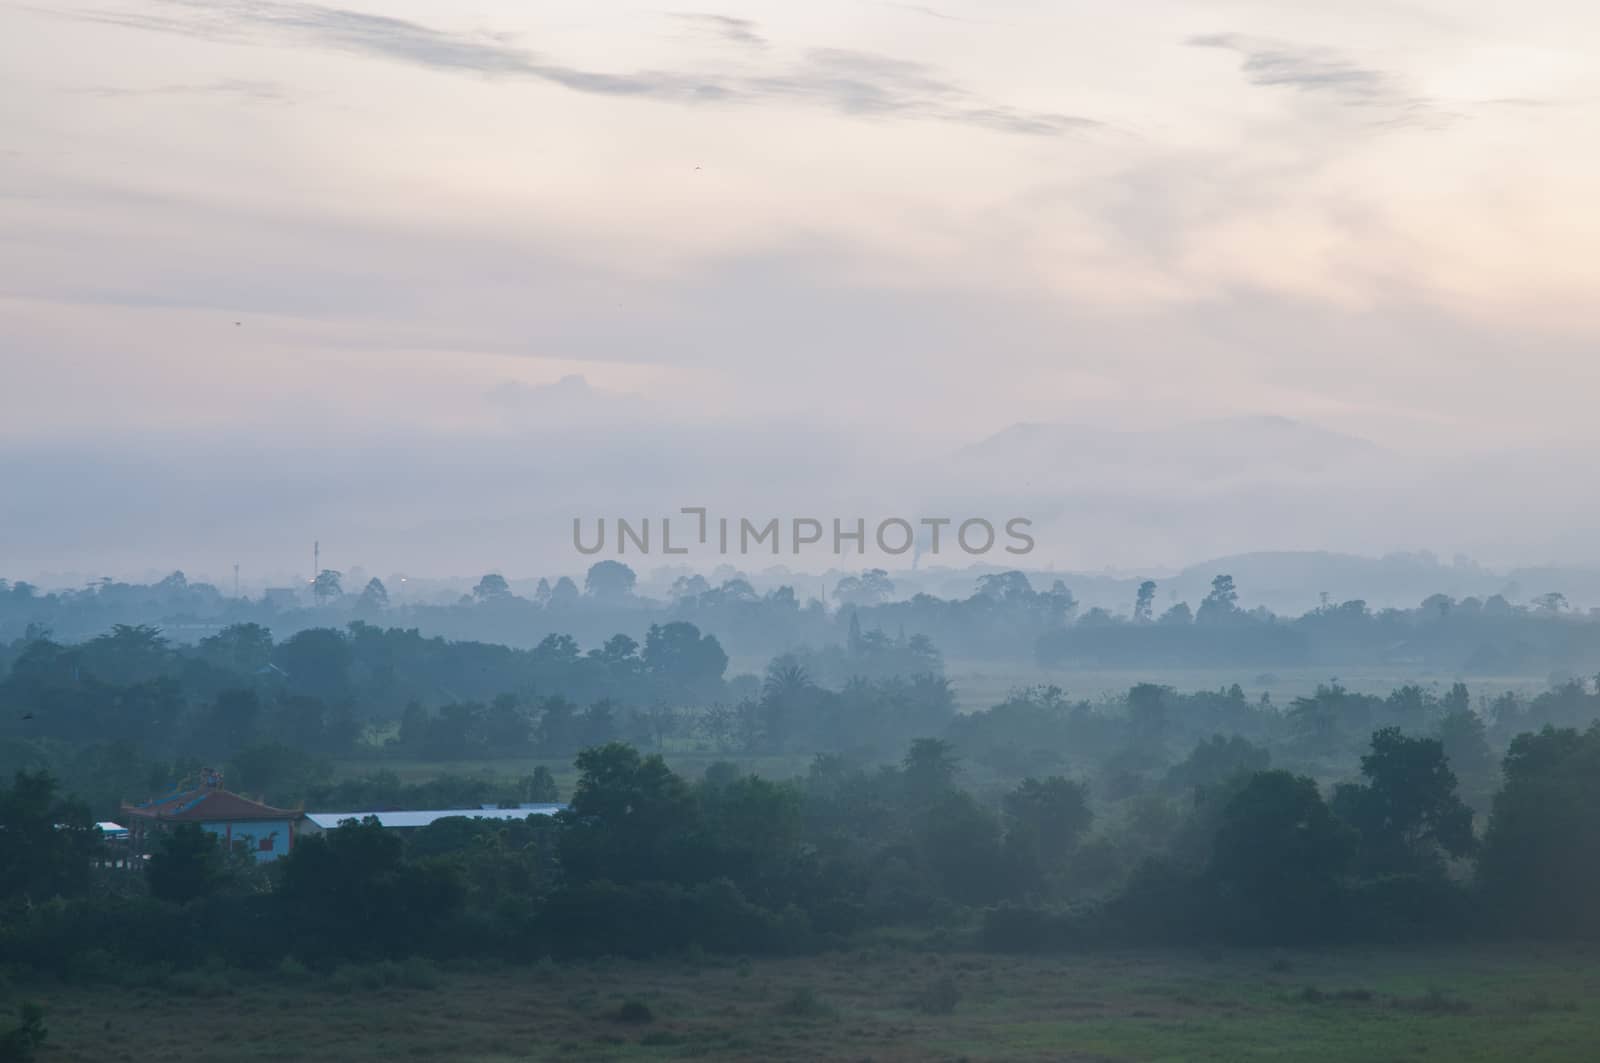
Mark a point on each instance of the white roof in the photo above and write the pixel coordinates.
(112, 828)
(330, 820)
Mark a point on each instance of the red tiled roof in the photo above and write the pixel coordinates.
(208, 806)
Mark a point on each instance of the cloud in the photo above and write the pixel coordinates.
(568, 401)
(245, 89)
(1325, 73)
(855, 83)
(932, 12)
(865, 83)
(736, 30)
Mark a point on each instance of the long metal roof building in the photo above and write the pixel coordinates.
(421, 818)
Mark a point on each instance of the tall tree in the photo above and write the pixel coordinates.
(1278, 857)
(1540, 867)
(1144, 602)
(609, 580)
(46, 841)
(1407, 813)
(327, 585)
(188, 864)
(492, 587)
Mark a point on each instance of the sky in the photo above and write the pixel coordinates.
(393, 274)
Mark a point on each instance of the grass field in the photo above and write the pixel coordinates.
(881, 1004)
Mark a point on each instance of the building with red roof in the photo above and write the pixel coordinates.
(243, 825)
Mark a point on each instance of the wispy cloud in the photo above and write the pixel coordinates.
(933, 12)
(736, 30)
(865, 83)
(236, 87)
(856, 83)
(1325, 73)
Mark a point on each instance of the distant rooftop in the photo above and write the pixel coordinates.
(206, 804)
(421, 818)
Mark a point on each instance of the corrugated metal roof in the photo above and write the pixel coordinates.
(421, 818)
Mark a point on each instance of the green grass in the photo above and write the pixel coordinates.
(1525, 1003)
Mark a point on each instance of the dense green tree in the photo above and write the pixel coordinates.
(1220, 603)
(47, 841)
(929, 772)
(316, 662)
(128, 654)
(1217, 759)
(609, 580)
(1045, 819)
(243, 649)
(374, 597)
(1540, 866)
(1407, 813)
(328, 584)
(492, 587)
(869, 588)
(628, 818)
(1465, 739)
(188, 864)
(960, 841)
(1279, 856)
(350, 892)
(1144, 602)
(688, 663)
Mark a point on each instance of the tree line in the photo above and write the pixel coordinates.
(1006, 618)
(646, 861)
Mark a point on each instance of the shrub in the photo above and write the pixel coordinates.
(940, 998)
(633, 1011)
(1435, 1002)
(203, 983)
(20, 1043)
(292, 970)
(1410, 908)
(418, 972)
(804, 1003)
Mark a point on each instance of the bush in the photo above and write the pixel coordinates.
(940, 998)
(21, 1042)
(1164, 904)
(418, 972)
(633, 1011)
(205, 983)
(292, 970)
(1397, 909)
(804, 1003)
(1435, 1002)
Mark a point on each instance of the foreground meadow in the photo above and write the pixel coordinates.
(880, 1003)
